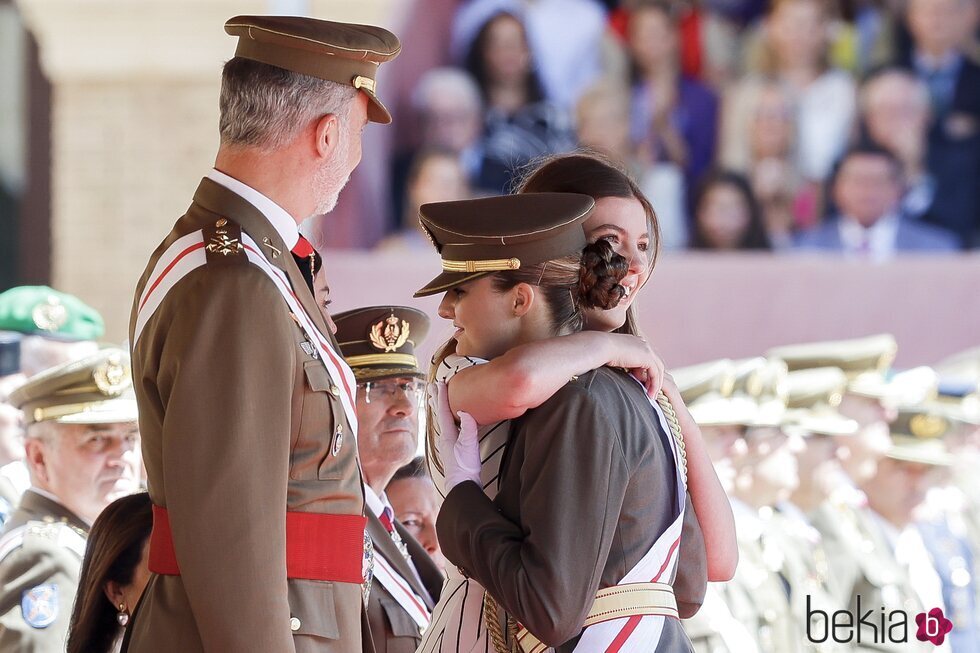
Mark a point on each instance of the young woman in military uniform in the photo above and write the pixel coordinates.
(593, 448)
(527, 375)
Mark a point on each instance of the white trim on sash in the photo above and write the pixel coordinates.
(401, 591)
(187, 253)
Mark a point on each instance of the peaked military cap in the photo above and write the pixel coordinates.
(481, 236)
(40, 310)
(97, 389)
(917, 436)
(379, 342)
(813, 397)
(708, 389)
(865, 360)
(338, 52)
(771, 394)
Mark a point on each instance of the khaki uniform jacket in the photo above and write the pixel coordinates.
(392, 629)
(41, 554)
(757, 595)
(588, 484)
(805, 570)
(863, 565)
(239, 424)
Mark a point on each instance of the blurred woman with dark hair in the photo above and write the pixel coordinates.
(520, 124)
(727, 215)
(114, 574)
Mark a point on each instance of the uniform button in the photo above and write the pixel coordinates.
(294, 624)
(334, 390)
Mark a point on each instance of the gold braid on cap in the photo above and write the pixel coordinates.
(481, 266)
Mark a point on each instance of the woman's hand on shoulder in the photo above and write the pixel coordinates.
(636, 355)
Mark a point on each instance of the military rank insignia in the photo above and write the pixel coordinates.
(39, 605)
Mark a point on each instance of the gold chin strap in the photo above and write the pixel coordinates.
(492, 265)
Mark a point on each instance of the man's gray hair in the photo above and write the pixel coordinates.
(265, 106)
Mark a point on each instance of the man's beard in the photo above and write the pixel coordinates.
(327, 183)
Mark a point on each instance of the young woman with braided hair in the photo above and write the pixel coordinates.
(528, 374)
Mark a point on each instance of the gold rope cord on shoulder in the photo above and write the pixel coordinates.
(675, 430)
(491, 265)
(501, 642)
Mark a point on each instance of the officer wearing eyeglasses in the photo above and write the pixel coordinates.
(379, 345)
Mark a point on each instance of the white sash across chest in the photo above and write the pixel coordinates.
(187, 254)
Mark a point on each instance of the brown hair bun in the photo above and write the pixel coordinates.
(602, 270)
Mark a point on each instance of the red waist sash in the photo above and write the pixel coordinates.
(318, 546)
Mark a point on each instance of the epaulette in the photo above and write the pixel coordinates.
(223, 242)
(60, 534)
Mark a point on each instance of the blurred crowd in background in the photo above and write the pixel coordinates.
(733, 115)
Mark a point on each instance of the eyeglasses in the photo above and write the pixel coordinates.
(378, 390)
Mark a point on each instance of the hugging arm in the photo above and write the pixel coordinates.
(527, 375)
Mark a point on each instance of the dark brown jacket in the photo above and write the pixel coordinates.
(588, 484)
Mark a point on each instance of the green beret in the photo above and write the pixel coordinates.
(42, 311)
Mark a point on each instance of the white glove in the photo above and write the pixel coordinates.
(458, 446)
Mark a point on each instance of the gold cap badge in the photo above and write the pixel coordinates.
(388, 335)
(50, 315)
(111, 377)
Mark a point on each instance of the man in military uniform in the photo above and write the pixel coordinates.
(861, 560)
(706, 389)
(82, 452)
(247, 407)
(379, 344)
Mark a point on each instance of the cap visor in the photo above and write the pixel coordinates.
(376, 112)
(448, 280)
(106, 412)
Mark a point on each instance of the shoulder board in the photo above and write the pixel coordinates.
(59, 534)
(223, 242)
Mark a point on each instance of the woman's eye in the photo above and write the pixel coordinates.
(644, 247)
(610, 238)
(458, 292)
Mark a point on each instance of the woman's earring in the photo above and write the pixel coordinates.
(122, 617)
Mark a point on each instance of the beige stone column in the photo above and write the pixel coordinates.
(134, 126)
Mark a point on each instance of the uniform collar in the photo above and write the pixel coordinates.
(278, 217)
(376, 504)
(44, 504)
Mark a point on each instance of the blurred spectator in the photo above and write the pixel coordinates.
(674, 118)
(726, 215)
(435, 176)
(602, 122)
(566, 37)
(113, 576)
(867, 190)
(416, 502)
(895, 115)
(796, 54)
(10, 374)
(449, 117)
(11, 451)
(520, 124)
(763, 148)
(939, 31)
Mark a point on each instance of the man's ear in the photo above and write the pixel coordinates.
(327, 134)
(36, 458)
(523, 299)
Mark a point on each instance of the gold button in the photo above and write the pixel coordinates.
(220, 223)
(294, 624)
(334, 390)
